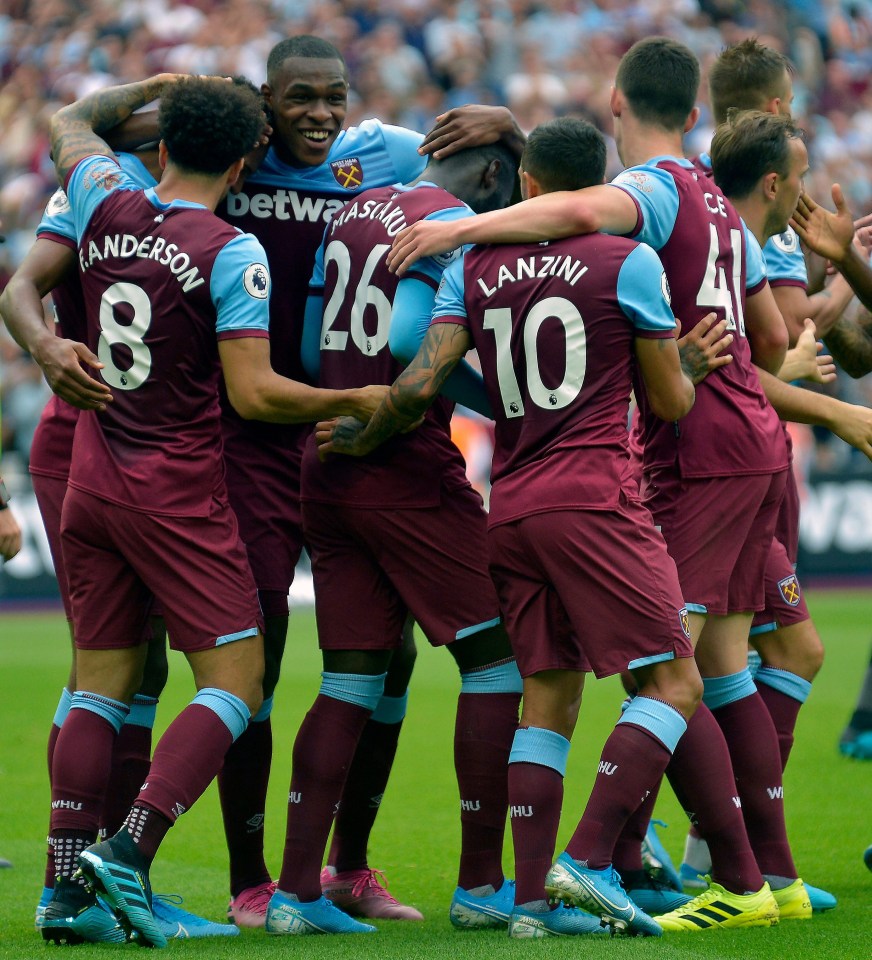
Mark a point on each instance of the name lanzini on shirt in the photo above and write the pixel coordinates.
(541, 265)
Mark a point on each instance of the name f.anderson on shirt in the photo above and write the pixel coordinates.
(126, 245)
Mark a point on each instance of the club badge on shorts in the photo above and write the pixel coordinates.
(789, 589)
(684, 620)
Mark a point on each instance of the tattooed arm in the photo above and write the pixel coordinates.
(76, 129)
(410, 396)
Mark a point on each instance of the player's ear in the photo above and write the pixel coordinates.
(692, 117)
(530, 186)
(234, 170)
(162, 155)
(769, 185)
(266, 93)
(616, 102)
(490, 175)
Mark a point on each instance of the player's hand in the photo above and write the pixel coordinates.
(422, 239)
(702, 350)
(806, 361)
(368, 399)
(10, 535)
(340, 435)
(854, 426)
(829, 234)
(473, 125)
(61, 362)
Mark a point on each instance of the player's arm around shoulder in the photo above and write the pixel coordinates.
(76, 130)
(643, 294)
(46, 265)
(240, 289)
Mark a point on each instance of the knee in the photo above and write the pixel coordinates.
(402, 665)
(156, 670)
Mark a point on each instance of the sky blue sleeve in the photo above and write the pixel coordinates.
(240, 286)
(413, 306)
(784, 260)
(57, 218)
(434, 267)
(755, 268)
(317, 280)
(89, 183)
(643, 292)
(450, 295)
(410, 318)
(136, 169)
(310, 345)
(402, 147)
(655, 192)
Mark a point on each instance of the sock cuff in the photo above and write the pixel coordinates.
(113, 711)
(784, 682)
(229, 709)
(391, 710)
(755, 661)
(495, 678)
(659, 718)
(264, 712)
(720, 691)
(362, 689)
(547, 748)
(142, 711)
(63, 708)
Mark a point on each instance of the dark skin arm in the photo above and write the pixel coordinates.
(46, 265)
(410, 396)
(76, 130)
(473, 125)
(850, 342)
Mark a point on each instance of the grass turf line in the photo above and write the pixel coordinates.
(417, 835)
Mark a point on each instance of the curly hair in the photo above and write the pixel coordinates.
(209, 123)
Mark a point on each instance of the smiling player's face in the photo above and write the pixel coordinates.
(309, 100)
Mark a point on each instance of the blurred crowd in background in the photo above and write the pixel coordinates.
(410, 60)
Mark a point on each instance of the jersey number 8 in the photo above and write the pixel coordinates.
(123, 334)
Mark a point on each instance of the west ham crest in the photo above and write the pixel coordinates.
(684, 620)
(348, 173)
(789, 589)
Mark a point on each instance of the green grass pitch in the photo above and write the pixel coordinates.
(829, 804)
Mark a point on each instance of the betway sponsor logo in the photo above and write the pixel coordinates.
(282, 205)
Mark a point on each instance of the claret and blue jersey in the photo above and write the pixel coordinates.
(162, 282)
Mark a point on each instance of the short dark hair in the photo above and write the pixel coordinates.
(745, 76)
(304, 45)
(749, 145)
(565, 154)
(209, 124)
(660, 79)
